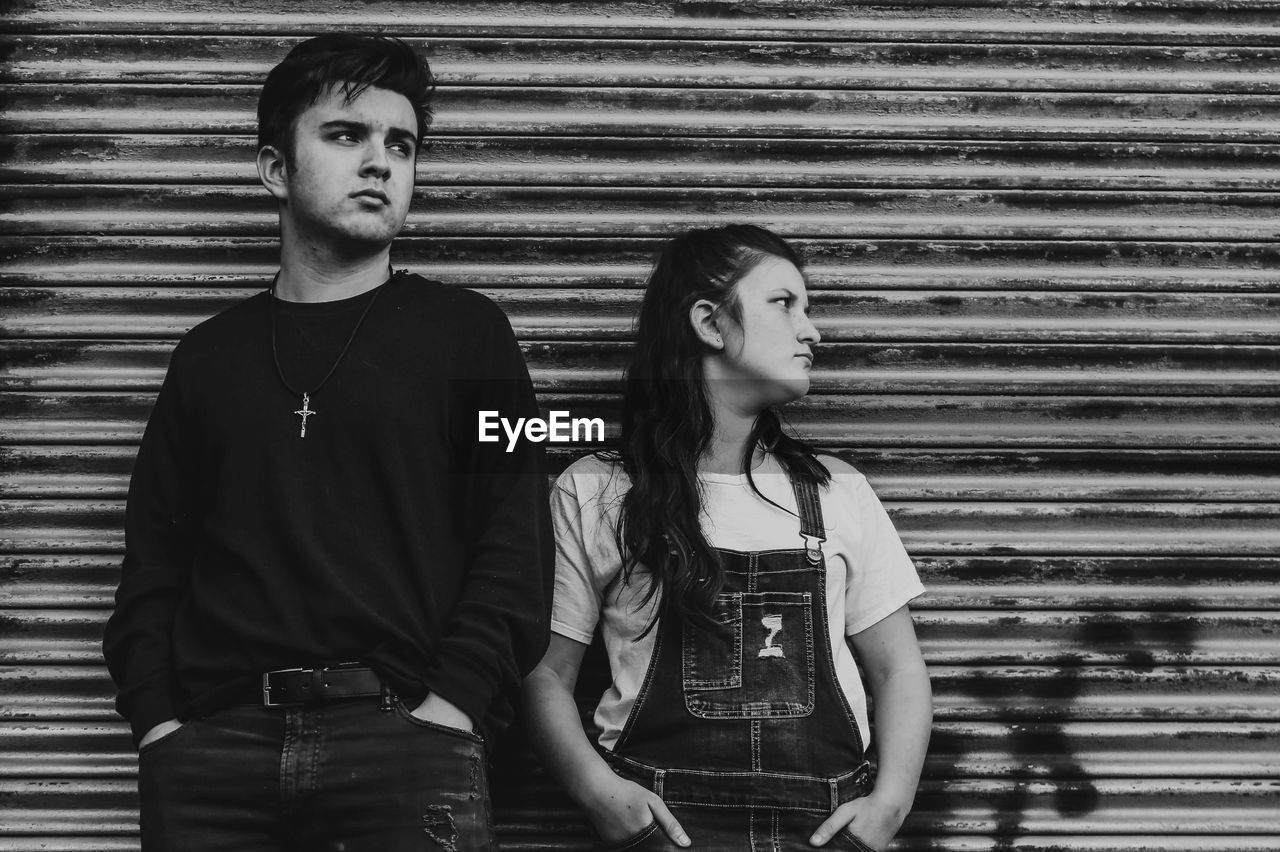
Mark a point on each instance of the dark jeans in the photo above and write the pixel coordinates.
(341, 776)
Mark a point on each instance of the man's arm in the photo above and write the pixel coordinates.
(498, 629)
(157, 562)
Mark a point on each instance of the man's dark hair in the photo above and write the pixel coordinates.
(346, 63)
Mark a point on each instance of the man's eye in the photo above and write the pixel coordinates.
(402, 148)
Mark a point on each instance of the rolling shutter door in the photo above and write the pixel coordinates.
(1043, 244)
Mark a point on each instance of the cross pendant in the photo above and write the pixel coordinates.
(305, 412)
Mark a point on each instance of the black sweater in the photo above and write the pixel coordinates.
(388, 535)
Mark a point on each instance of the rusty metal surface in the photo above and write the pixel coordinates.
(1044, 252)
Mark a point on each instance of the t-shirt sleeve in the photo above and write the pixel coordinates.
(882, 577)
(581, 530)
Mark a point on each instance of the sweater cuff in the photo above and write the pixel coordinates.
(461, 686)
(148, 709)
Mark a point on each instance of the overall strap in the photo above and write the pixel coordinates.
(812, 529)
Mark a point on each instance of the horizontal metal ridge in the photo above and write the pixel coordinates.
(1099, 21)
(1158, 583)
(932, 528)
(112, 209)
(1038, 694)
(146, 158)
(968, 806)
(763, 112)
(84, 750)
(706, 63)
(622, 262)
(531, 834)
(886, 367)
(833, 420)
(1087, 474)
(987, 637)
(1045, 321)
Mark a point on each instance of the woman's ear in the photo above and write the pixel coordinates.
(273, 171)
(702, 316)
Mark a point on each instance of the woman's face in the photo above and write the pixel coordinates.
(767, 357)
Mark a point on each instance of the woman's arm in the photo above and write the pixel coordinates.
(890, 656)
(616, 807)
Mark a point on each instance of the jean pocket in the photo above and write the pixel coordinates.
(759, 663)
(632, 843)
(858, 844)
(404, 713)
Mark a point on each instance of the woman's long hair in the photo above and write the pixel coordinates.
(667, 421)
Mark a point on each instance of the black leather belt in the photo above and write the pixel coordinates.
(313, 686)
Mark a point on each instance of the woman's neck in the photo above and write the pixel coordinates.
(728, 445)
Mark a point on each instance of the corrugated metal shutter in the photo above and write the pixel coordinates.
(1044, 242)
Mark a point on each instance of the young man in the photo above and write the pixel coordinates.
(331, 588)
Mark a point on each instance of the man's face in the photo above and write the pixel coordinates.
(350, 176)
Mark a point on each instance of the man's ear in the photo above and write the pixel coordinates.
(702, 316)
(273, 171)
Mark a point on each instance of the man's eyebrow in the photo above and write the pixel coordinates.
(343, 123)
(403, 134)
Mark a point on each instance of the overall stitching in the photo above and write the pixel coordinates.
(643, 695)
(829, 661)
(757, 602)
(689, 650)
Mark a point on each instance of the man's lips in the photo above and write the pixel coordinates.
(375, 194)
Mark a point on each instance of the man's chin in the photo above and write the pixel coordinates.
(361, 243)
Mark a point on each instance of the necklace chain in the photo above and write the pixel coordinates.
(306, 410)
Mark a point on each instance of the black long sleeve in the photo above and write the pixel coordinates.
(160, 537)
(387, 535)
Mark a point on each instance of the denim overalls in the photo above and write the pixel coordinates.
(744, 732)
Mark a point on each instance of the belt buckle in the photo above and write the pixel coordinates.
(266, 686)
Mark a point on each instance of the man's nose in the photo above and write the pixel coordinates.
(376, 162)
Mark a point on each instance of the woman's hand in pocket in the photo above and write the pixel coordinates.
(871, 820)
(620, 809)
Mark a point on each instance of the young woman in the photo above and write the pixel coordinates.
(725, 563)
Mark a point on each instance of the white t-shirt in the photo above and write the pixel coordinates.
(869, 574)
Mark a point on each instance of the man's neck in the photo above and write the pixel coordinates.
(314, 277)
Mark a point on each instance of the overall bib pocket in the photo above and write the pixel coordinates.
(758, 665)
